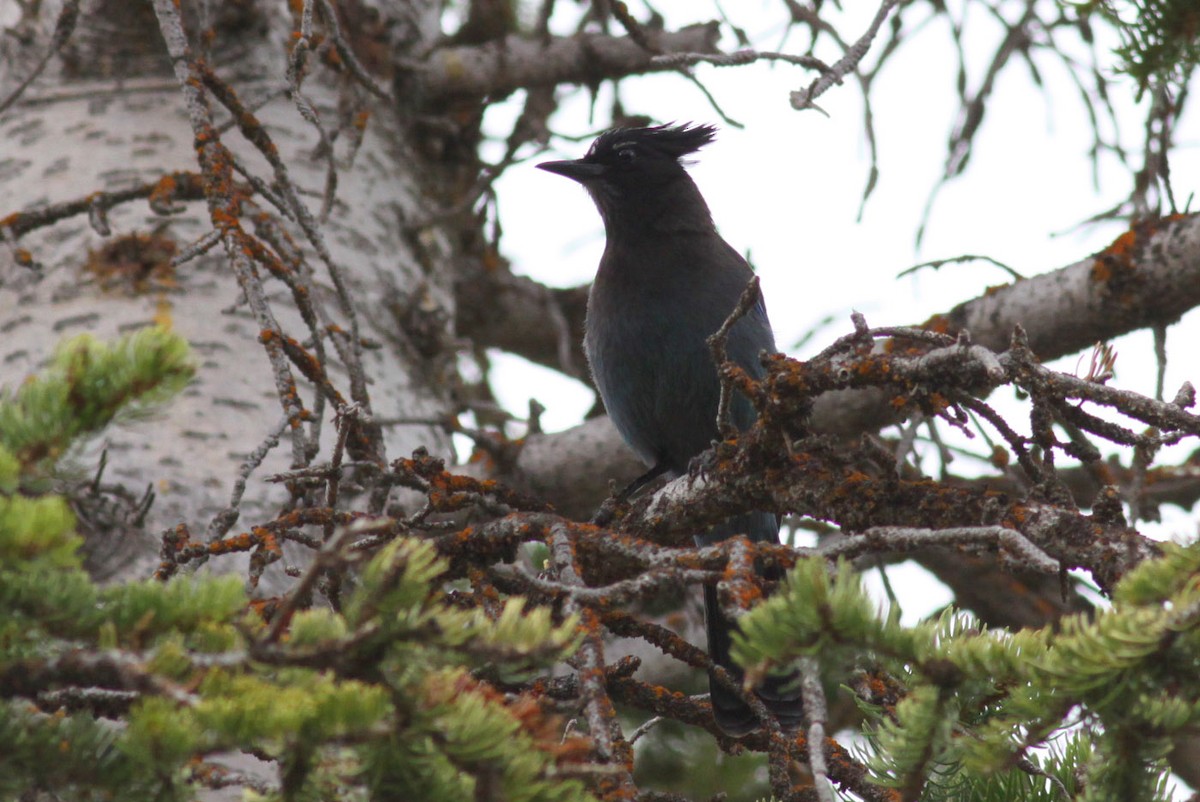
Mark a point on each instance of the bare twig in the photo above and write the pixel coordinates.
(64, 26)
(716, 346)
(803, 98)
(816, 713)
(603, 725)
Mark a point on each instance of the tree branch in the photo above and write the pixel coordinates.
(498, 68)
(1148, 276)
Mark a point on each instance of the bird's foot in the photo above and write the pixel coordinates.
(702, 464)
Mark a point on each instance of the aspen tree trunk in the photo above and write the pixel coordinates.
(107, 119)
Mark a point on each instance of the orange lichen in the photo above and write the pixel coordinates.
(133, 264)
(1118, 257)
(1000, 456)
(1122, 247)
(174, 186)
(938, 323)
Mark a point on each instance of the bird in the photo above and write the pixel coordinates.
(667, 280)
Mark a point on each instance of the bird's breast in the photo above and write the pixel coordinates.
(649, 359)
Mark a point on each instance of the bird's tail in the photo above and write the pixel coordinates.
(780, 694)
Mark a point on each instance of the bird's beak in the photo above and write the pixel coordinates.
(576, 170)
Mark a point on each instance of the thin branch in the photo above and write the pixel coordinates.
(816, 713)
(716, 345)
(803, 98)
(64, 26)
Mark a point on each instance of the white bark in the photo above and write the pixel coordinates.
(67, 137)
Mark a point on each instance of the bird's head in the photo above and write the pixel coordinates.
(636, 177)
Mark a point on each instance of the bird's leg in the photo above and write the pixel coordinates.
(608, 509)
(699, 465)
(637, 484)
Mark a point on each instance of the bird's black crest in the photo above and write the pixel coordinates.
(672, 141)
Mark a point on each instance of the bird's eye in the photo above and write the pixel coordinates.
(626, 155)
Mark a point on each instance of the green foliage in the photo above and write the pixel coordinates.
(73, 754)
(687, 761)
(813, 615)
(458, 730)
(423, 725)
(473, 730)
(141, 610)
(125, 691)
(249, 709)
(40, 530)
(978, 711)
(420, 725)
(1160, 38)
(50, 611)
(1050, 777)
(87, 385)
(395, 597)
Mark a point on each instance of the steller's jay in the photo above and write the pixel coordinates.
(667, 281)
